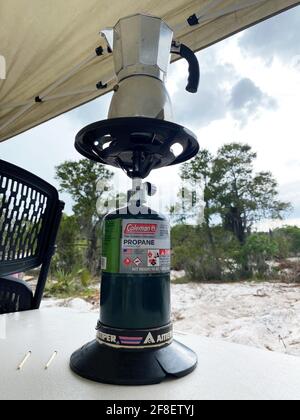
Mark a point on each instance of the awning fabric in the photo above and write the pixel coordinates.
(49, 47)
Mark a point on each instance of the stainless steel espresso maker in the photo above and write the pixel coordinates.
(139, 134)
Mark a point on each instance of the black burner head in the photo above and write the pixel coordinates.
(137, 145)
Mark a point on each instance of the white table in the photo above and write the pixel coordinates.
(225, 371)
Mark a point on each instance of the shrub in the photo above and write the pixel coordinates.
(202, 257)
(258, 249)
(64, 284)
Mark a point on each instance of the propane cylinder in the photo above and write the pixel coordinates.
(135, 288)
(134, 343)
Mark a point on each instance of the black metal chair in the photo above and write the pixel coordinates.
(30, 214)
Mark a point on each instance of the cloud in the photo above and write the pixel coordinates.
(276, 37)
(290, 192)
(210, 103)
(222, 92)
(247, 100)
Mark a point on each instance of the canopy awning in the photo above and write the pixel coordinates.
(49, 47)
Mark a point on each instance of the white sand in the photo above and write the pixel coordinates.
(261, 315)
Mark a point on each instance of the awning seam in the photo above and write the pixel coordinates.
(41, 98)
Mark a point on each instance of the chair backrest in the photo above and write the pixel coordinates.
(30, 213)
(15, 296)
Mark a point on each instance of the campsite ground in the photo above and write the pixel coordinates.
(263, 315)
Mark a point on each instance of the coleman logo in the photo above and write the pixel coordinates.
(141, 229)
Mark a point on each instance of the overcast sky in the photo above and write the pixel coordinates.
(250, 92)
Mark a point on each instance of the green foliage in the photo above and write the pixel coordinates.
(88, 184)
(283, 243)
(63, 284)
(258, 249)
(81, 179)
(233, 191)
(69, 252)
(261, 244)
(237, 197)
(291, 234)
(192, 252)
(200, 170)
(85, 278)
(222, 248)
(229, 260)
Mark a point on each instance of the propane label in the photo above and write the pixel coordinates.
(145, 247)
(136, 246)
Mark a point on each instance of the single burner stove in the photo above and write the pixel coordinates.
(134, 343)
(137, 145)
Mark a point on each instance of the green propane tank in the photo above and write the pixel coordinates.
(135, 287)
(134, 343)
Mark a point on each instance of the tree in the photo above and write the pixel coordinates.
(233, 191)
(67, 255)
(81, 179)
(259, 248)
(236, 196)
(243, 197)
(290, 236)
(192, 253)
(198, 170)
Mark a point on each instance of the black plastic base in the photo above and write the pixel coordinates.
(136, 144)
(104, 364)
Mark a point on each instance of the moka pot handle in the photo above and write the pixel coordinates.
(194, 66)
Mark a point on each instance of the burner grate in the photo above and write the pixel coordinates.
(137, 145)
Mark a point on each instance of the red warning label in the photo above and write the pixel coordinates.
(127, 261)
(164, 252)
(153, 258)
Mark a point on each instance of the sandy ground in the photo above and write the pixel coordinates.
(263, 315)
